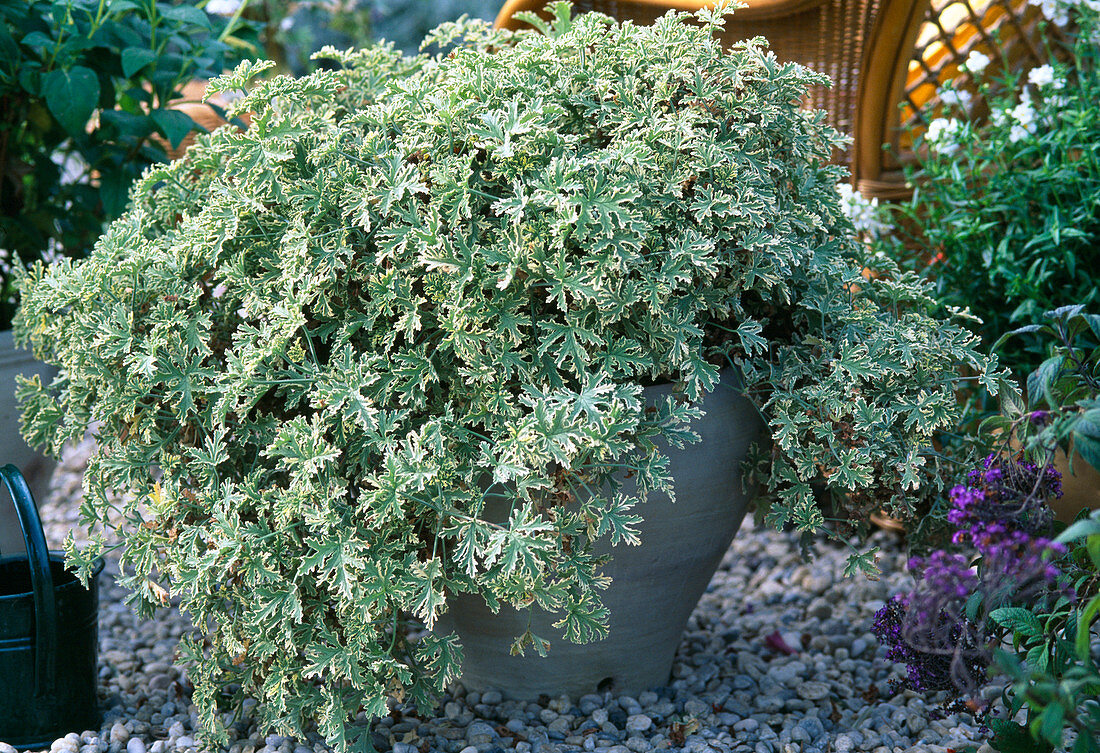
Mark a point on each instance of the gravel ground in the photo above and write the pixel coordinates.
(777, 658)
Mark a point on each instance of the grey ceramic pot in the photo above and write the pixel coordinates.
(36, 468)
(655, 586)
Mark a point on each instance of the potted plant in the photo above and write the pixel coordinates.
(323, 353)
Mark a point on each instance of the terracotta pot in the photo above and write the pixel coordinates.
(655, 586)
(1080, 490)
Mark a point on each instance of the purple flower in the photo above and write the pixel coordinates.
(1038, 417)
(941, 629)
(1007, 490)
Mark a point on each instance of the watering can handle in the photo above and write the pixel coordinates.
(38, 556)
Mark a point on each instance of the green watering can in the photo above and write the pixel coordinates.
(48, 637)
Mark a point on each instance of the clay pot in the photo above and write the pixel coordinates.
(655, 586)
(1080, 490)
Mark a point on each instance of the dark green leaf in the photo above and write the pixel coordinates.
(71, 96)
(174, 125)
(188, 15)
(1009, 737)
(1088, 448)
(134, 59)
(37, 39)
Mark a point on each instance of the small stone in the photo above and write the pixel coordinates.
(274, 741)
(859, 645)
(469, 749)
(491, 697)
(5, 748)
(812, 690)
(696, 708)
(158, 746)
(639, 723)
(813, 727)
(184, 741)
(599, 716)
(452, 710)
(561, 725)
(119, 734)
(843, 744)
(175, 731)
(134, 745)
(480, 733)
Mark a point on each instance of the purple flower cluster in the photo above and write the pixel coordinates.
(1013, 492)
(941, 630)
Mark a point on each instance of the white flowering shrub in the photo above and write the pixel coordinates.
(1005, 216)
(312, 349)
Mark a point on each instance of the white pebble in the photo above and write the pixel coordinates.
(135, 745)
(119, 733)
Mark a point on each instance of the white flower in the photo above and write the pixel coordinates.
(1024, 115)
(956, 98)
(286, 24)
(1018, 133)
(1041, 76)
(976, 62)
(862, 212)
(223, 7)
(52, 253)
(943, 134)
(73, 167)
(1056, 10)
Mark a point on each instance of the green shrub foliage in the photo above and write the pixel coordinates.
(85, 88)
(1005, 218)
(312, 349)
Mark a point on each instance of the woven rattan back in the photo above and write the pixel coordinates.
(835, 37)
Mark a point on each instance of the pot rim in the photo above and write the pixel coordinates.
(55, 556)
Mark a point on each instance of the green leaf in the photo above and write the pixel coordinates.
(862, 562)
(1040, 383)
(37, 39)
(1089, 526)
(114, 186)
(1019, 620)
(1010, 737)
(188, 15)
(1088, 448)
(1050, 724)
(71, 96)
(1088, 424)
(1084, 625)
(134, 59)
(174, 125)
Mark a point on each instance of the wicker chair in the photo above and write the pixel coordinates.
(863, 45)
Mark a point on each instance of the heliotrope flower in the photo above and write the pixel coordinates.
(941, 629)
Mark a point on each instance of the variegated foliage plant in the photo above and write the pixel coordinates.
(310, 349)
